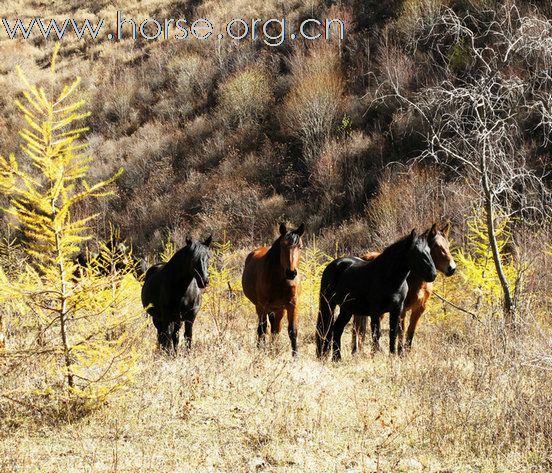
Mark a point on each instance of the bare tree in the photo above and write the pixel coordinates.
(479, 121)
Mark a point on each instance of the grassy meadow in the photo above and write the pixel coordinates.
(427, 111)
(467, 398)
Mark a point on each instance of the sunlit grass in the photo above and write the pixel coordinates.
(465, 399)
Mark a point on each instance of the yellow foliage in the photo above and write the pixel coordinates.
(79, 321)
(477, 268)
(169, 249)
(313, 262)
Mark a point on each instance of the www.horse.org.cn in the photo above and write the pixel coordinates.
(272, 32)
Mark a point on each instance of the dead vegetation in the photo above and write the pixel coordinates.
(233, 138)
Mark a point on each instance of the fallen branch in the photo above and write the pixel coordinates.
(457, 307)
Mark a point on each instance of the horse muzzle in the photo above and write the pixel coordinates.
(291, 274)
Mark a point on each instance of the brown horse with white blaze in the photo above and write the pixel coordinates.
(419, 291)
(272, 282)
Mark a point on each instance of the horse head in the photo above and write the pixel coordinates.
(200, 260)
(440, 249)
(419, 257)
(290, 249)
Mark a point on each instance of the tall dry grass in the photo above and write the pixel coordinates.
(469, 397)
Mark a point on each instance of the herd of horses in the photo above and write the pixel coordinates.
(395, 281)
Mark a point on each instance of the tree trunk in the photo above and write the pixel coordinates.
(63, 314)
(509, 307)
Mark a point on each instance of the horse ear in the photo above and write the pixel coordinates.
(300, 230)
(208, 241)
(188, 241)
(283, 229)
(413, 235)
(446, 230)
(432, 232)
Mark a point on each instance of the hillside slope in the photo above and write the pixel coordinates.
(231, 136)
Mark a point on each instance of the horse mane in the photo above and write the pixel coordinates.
(395, 250)
(430, 241)
(189, 249)
(273, 253)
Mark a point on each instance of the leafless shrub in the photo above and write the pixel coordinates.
(396, 63)
(344, 171)
(246, 96)
(193, 76)
(119, 102)
(264, 168)
(313, 105)
(198, 129)
(229, 205)
(413, 197)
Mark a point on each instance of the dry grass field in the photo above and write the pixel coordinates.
(353, 138)
(469, 397)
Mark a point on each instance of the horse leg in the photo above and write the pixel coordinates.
(188, 332)
(402, 321)
(338, 327)
(176, 335)
(355, 335)
(163, 336)
(261, 327)
(359, 333)
(276, 319)
(394, 316)
(363, 324)
(293, 317)
(375, 325)
(414, 317)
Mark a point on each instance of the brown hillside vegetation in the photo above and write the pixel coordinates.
(427, 111)
(215, 137)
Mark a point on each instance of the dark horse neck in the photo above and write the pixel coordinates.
(179, 267)
(415, 282)
(394, 261)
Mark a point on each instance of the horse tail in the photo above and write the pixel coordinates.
(326, 308)
(359, 333)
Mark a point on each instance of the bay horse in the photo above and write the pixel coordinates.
(419, 291)
(370, 288)
(272, 282)
(171, 293)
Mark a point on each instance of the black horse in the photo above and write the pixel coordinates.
(112, 258)
(171, 293)
(370, 289)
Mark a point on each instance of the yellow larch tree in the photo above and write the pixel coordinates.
(44, 189)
